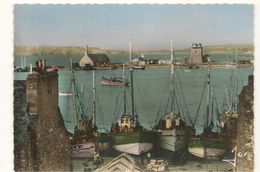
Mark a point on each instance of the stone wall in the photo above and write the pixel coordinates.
(20, 123)
(245, 138)
(40, 137)
(50, 138)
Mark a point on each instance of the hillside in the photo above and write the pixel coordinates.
(55, 50)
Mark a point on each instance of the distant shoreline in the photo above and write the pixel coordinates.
(77, 51)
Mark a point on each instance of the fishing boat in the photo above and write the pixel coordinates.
(210, 144)
(83, 142)
(113, 81)
(138, 67)
(229, 114)
(127, 133)
(172, 130)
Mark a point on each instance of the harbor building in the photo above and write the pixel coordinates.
(196, 54)
(94, 60)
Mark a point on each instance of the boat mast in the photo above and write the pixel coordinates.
(75, 96)
(130, 54)
(171, 84)
(131, 80)
(208, 97)
(237, 96)
(124, 87)
(94, 101)
(207, 111)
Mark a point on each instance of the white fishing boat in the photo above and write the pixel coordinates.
(127, 134)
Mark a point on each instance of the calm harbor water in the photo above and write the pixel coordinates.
(151, 88)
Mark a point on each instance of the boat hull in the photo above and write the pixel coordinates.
(134, 142)
(138, 67)
(209, 153)
(83, 150)
(134, 148)
(103, 142)
(110, 82)
(172, 140)
(206, 148)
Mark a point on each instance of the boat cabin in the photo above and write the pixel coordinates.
(172, 121)
(126, 123)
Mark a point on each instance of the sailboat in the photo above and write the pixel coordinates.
(210, 144)
(127, 133)
(228, 118)
(113, 81)
(172, 130)
(83, 142)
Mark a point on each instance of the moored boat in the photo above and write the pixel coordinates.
(138, 67)
(113, 81)
(86, 138)
(207, 147)
(130, 138)
(210, 144)
(83, 143)
(172, 130)
(128, 135)
(229, 114)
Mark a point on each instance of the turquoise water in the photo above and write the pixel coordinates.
(151, 88)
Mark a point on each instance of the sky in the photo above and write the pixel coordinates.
(148, 27)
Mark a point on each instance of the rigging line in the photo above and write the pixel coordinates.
(203, 92)
(118, 107)
(159, 114)
(225, 104)
(68, 103)
(139, 92)
(184, 100)
(178, 97)
(115, 110)
(216, 101)
(176, 102)
(101, 112)
(117, 114)
(81, 107)
(212, 105)
(168, 105)
(185, 113)
(175, 93)
(89, 102)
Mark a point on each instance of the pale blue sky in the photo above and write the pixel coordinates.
(147, 26)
